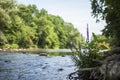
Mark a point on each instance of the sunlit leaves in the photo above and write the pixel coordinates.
(25, 26)
(3, 39)
(99, 42)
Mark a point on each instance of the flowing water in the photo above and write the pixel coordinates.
(19, 66)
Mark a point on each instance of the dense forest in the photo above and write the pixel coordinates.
(25, 26)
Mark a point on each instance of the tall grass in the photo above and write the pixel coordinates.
(84, 56)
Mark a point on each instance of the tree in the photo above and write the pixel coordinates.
(7, 17)
(3, 39)
(73, 36)
(7, 7)
(109, 11)
(27, 13)
(25, 26)
(59, 29)
(47, 37)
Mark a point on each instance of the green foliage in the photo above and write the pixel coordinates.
(47, 36)
(11, 46)
(73, 36)
(7, 7)
(84, 57)
(27, 26)
(3, 39)
(109, 11)
(58, 23)
(99, 42)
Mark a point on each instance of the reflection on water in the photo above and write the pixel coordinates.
(52, 52)
(19, 66)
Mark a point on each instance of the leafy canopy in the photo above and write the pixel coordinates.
(108, 10)
(25, 26)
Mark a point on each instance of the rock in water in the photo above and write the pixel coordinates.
(61, 69)
(43, 54)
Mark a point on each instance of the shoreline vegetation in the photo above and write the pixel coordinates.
(26, 26)
(34, 50)
(107, 68)
(93, 64)
(39, 51)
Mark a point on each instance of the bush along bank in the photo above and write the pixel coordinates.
(95, 65)
(108, 68)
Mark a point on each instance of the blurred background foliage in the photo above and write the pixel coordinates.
(25, 26)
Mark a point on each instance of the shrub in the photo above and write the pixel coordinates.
(11, 46)
(84, 58)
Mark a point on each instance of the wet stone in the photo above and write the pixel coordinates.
(60, 69)
(7, 61)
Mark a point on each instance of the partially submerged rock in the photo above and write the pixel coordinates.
(60, 69)
(43, 54)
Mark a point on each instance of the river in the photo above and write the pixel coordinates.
(20, 66)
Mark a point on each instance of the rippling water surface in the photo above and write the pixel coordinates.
(19, 66)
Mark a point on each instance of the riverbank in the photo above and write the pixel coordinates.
(41, 52)
(35, 49)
